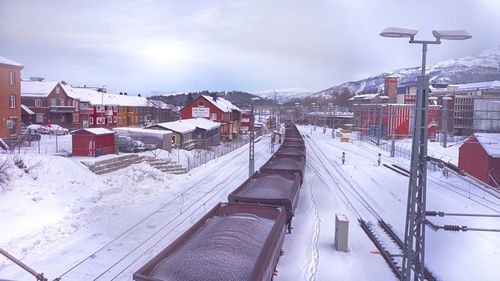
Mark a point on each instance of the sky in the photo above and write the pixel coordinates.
(249, 45)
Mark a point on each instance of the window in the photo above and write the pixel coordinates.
(39, 118)
(53, 102)
(38, 103)
(91, 120)
(12, 101)
(62, 102)
(115, 119)
(110, 119)
(12, 125)
(58, 90)
(12, 78)
(201, 103)
(213, 116)
(75, 117)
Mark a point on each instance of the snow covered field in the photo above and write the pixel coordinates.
(62, 219)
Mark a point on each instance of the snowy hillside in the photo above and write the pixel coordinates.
(283, 95)
(484, 66)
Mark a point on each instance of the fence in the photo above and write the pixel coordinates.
(399, 151)
(194, 158)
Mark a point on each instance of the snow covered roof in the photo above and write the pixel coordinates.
(95, 97)
(30, 88)
(126, 100)
(477, 85)
(27, 109)
(179, 126)
(203, 123)
(9, 62)
(96, 131)
(223, 104)
(490, 142)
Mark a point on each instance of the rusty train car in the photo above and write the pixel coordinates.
(241, 239)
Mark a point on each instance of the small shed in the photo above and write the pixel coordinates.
(182, 133)
(207, 132)
(479, 156)
(93, 142)
(162, 139)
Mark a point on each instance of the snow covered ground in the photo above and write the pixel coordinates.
(62, 219)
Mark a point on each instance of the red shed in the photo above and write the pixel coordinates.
(93, 142)
(479, 156)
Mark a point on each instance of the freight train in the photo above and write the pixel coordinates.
(241, 239)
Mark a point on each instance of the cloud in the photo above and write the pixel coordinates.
(139, 46)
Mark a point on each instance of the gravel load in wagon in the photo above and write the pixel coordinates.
(293, 140)
(270, 189)
(232, 242)
(285, 164)
(294, 144)
(291, 151)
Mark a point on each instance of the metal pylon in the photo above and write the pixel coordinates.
(414, 247)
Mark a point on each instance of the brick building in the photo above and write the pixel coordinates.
(218, 110)
(10, 99)
(50, 103)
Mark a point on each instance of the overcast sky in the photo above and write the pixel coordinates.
(185, 45)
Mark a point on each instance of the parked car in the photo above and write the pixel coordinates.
(35, 127)
(127, 144)
(53, 129)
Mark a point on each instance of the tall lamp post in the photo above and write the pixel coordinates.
(414, 241)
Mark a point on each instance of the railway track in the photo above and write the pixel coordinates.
(121, 255)
(388, 244)
(478, 198)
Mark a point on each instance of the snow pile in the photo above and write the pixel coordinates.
(59, 196)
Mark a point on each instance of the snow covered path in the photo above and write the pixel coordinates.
(449, 256)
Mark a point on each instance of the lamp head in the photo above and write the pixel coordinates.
(398, 32)
(451, 34)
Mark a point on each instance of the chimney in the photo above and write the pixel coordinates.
(391, 88)
(64, 82)
(138, 95)
(39, 79)
(125, 93)
(121, 94)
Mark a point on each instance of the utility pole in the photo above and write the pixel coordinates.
(445, 121)
(251, 155)
(393, 129)
(379, 123)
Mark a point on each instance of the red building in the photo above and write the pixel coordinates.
(218, 110)
(49, 102)
(93, 142)
(98, 109)
(245, 123)
(479, 156)
(10, 99)
(395, 119)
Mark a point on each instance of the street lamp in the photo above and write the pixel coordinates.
(414, 241)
